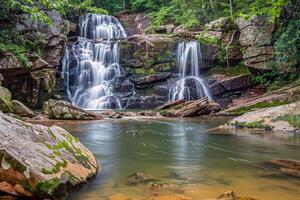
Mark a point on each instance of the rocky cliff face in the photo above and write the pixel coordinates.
(34, 83)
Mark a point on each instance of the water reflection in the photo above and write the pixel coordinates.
(182, 152)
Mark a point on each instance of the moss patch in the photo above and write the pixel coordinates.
(56, 168)
(230, 71)
(257, 124)
(244, 110)
(293, 120)
(49, 186)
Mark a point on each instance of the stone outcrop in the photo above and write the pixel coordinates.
(35, 83)
(190, 108)
(7, 105)
(256, 38)
(221, 41)
(58, 109)
(287, 94)
(226, 84)
(41, 162)
(279, 118)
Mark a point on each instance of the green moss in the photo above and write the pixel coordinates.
(293, 120)
(163, 112)
(56, 168)
(205, 38)
(49, 186)
(178, 107)
(257, 124)
(243, 110)
(230, 71)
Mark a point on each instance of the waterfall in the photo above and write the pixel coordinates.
(92, 62)
(190, 86)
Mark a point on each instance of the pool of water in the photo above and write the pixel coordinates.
(181, 151)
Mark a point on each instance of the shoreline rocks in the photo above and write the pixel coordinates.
(283, 118)
(41, 162)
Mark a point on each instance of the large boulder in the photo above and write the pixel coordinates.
(21, 110)
(41, 162)
(58, 109)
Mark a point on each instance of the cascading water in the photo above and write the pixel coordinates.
(190, 86)
(92, 62)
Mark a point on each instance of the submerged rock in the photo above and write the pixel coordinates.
(41, 162)
(58, 109)
(140, 178)
(290, 167)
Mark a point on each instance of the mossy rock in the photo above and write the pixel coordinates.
(5, 100)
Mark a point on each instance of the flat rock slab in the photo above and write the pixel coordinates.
(40, 161)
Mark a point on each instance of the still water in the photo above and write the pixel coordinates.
(182, 152)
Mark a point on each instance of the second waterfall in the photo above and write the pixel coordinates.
(92, 62)
(190, 86)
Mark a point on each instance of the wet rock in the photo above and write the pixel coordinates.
(21, 110)
(225, 84)
(140, 178)
(5, 100)
(161, 90)
(145, 102)
(164, 29)
(289, 167)
(58, 109)
(191, 108)
(40, 161)
(145, 80)
(120, 196)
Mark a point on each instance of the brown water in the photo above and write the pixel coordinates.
(181, 152)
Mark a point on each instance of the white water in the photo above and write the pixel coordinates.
(91, 64)
(190, 86)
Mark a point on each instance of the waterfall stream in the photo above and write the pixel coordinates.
(91, 63)
(190, 86)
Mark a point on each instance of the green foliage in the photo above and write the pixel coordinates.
(294, 120)
(19, 45)
(63, 6)
(259, 105)
(274, 79)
